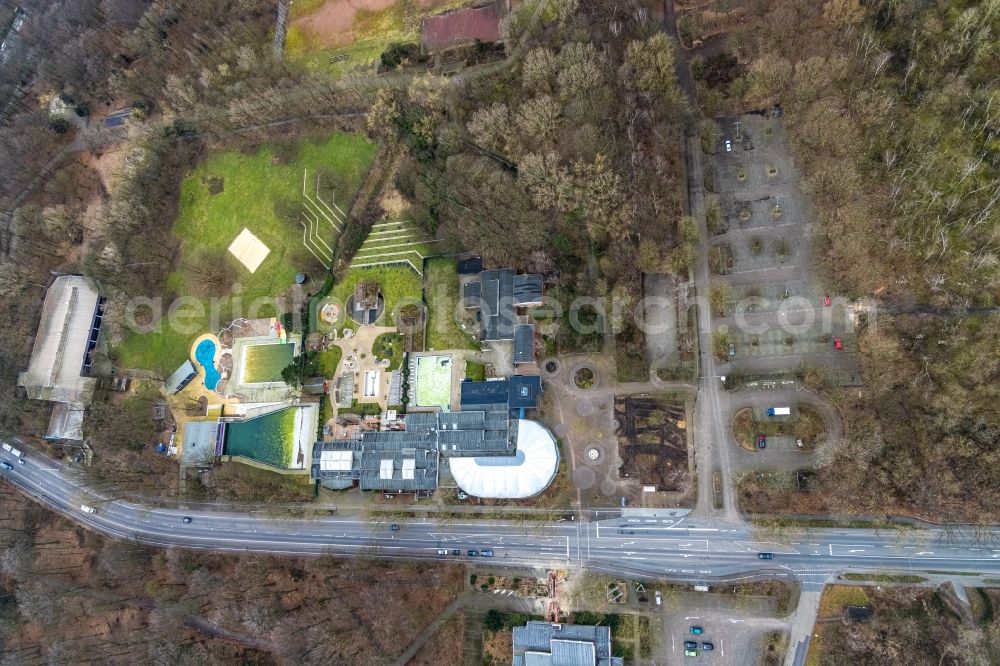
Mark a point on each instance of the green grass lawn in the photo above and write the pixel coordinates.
(251, 186)
(442, 292)
(475, 371)
(264, 363)
(324, 364)
(392, 242)
(399, 285)
(433, 385)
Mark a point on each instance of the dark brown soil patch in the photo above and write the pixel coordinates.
(652, 442)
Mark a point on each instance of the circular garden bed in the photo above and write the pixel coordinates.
(585, 378)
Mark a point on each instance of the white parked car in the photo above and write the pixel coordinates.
(729, 146)
(87, 509)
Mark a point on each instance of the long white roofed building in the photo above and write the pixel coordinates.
(61, 358)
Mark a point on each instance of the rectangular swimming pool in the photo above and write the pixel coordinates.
(264, 363)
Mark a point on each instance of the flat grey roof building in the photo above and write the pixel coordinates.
(390, 464)
(524, 343)
(182, 377)
(483, 447)
(548, 644)
(496, 295)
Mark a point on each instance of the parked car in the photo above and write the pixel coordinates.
(707, 647)
(697, 630)
(394, 527)
(20, 461)
(729, 146)
(186, 519)
(766, 556)
(456, 552)
(473, 553)
(826, 300)
(442, 551)
(761, 442)
(690, 645)
(6, 466)
(690, 653)
(838, 344)
(486, 553)
(732, 350)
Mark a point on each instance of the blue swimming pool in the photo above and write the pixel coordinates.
(204, 353)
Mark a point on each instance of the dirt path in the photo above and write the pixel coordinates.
(431, 629)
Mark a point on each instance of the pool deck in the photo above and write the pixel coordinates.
(353, 347)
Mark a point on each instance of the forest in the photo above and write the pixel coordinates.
(893, 112)
(566, 163)
(69, 595)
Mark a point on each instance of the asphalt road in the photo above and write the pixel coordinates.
(641, 543)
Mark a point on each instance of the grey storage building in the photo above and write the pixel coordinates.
(548, 644)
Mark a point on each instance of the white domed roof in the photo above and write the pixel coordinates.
(524, 474)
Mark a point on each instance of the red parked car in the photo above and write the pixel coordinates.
(837, 344)
(826, 300)
(761, 442)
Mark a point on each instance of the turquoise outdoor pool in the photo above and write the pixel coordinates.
(204, 353)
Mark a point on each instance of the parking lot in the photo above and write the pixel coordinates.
(737, 629)
(774, 308)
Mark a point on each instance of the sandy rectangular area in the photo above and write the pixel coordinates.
(249, 249)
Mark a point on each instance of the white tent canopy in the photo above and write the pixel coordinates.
(524, 474)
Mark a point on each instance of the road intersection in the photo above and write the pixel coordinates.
(639, 543)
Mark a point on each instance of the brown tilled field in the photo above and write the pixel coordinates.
(652, 441)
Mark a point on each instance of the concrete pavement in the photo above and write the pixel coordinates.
(671, 544)
(802, 625)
